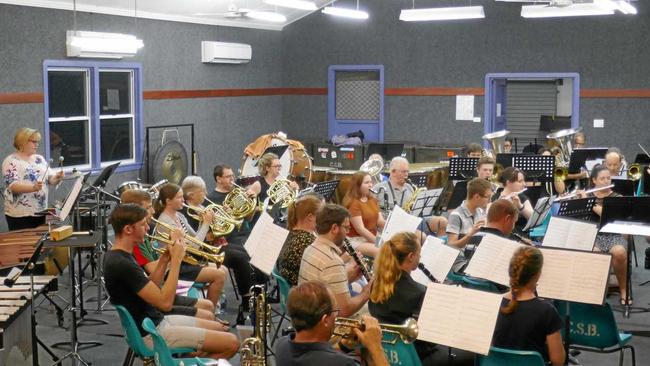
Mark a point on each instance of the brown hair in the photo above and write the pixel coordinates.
(264, 163)
(136, 196)
(126, 214)
(594, 173)
(484, 160)
(477, 186)
(500, 209)
(168, 191)
(526, 263)
(509, 174)
(218, 170)
(307, 303)
(329, 215)
(23, 135)
(387, 264)
(354, 191)
(473, 148)
(300, 208)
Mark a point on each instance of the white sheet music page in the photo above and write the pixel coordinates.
(399, 221)
(574, 276)
(265, 243)
(437, 258)
(492, 258)
(570, 234)
(626, 227)
(458, 317)
(72, 198)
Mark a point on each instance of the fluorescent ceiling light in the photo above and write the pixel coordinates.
(294, 4)
(598, 7)
(460, 12)
(268, 16)
(101, 45)
(345, 12)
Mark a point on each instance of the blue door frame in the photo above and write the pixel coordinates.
(495, 93)
(372, 129)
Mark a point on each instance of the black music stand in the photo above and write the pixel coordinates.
(540, 211)
(577, 208)
(457, 195)
(642, 158)
(579, 157)
(418, 179)
(9, 282)
(505, 159)
(624, 187)
(75, 345)
(629, 211)
(535, 167)
(462, 168)
(326, 189)
(426, 202)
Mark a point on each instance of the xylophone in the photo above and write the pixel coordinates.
(17, 246)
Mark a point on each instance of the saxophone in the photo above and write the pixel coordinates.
(253, 350)
(408, 205)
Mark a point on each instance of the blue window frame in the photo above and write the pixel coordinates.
(93, 114)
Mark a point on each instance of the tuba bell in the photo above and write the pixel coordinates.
(374, 168)
(497, 141)
(564, 139)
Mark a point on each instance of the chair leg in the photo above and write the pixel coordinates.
(234, 285)
(128, 359)
(621, 355)
(636, 262)
(633, 356)
(277, 329)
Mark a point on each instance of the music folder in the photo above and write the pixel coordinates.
(265, 243)
(398, 220)
(436, 257)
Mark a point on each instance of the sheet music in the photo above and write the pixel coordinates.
(574, 276)
(265, 243)
(425, 202)
(492, 258)
(459, 317)
(570, 234)
(626, 227)
(72, 198)
(399, 221)
(437, 258)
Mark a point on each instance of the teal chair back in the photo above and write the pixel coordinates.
(502, 356)
(478, 284)
(284, 289)
(454, 277)
(593, 326)
(399, 353)
(132, 334)
(162, 353)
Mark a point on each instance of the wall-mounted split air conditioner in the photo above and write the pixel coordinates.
(225, 53)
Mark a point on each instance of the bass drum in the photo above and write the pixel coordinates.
(295, 162)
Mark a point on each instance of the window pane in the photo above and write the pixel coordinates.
(115, 92)
(117, 139)
(67, 93)
(70, 140)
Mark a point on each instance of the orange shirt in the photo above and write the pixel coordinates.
(369, 212)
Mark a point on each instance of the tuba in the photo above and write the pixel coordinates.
(374, 168)
(497, 142)
(253, 350)
(407, 331)
(563, 138)
(239, 203)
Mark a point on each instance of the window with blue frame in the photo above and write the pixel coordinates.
(92, 114)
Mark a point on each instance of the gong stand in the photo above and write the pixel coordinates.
(169, 162)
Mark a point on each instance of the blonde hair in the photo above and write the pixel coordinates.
(387, 265)
(24, 135)
(300, 208)
(264, 163)
(525, 264)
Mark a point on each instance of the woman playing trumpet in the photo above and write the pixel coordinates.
(514, 184)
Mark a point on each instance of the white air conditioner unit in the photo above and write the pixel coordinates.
(225, 53)
(101, 45)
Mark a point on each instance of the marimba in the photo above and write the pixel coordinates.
(17, 246)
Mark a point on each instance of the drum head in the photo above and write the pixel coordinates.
(170, 162)
(296, 163)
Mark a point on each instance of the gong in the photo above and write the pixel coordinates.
(170, 162)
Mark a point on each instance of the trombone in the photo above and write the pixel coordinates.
(193, 255)
(407, 331)
(189, 240)
(634, 172)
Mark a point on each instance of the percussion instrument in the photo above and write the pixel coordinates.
(126, 186)
(15, 319)
(155, 188)
(321, 174)
(17, 246)
(295, 162)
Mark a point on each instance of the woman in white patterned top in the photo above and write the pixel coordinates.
(26, 186)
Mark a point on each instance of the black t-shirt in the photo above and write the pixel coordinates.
(406, 302)
(265, 187)
(290, 353)
(124, 279)
(527, 327)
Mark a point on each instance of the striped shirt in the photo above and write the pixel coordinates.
(322, 262)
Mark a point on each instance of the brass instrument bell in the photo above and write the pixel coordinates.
(407, 331)
(634, 172)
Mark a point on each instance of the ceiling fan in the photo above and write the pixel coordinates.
(233, 12)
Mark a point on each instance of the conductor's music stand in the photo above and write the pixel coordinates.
(462, 168)
(535, 167)
(326, 189)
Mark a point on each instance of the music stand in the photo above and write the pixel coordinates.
(457, 195)
(102, 178)
(540, 211)
(535, 167)
(418, 179)
(580, 156)
(642, 159)
(326, 189)
(624, 187)
(578, 208)
(632, 211)
(426, 202)
(462, 168)
(505, 159)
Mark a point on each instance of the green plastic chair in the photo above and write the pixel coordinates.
(594, 329)
(137, 347)
(455, 278)
(399, 353)
(479, 284)
(162, 353)
(284, 294)
(501, 356)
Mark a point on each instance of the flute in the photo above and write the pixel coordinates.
(513, 194)
(362, 265)
(574, 194)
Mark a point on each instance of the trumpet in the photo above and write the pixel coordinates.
(222, 224)
(407, 331)
(193, 255)
(560, 173)
(189, 240)
(634, 172)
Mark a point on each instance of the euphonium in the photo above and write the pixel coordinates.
(407, 331)
(239, 203)
(374, 168)
(253, 349)
(193, 255)
(497, 141)
(634, 172)
(281, 192)
(222, 224)
(189, 240)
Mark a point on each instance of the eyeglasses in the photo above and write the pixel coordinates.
(276, 166)
(337, 310)
(346, 227)
(229, 176)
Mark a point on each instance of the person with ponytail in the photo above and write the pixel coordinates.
(525, 321)
(302, 226)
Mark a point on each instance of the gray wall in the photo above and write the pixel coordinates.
(608, 52)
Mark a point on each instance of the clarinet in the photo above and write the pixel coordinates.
(364, 270)
(426, 272)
